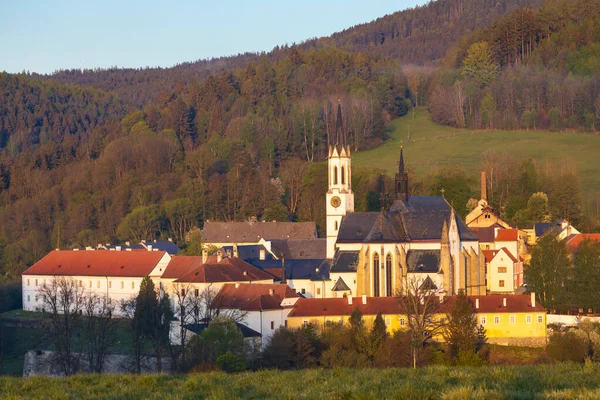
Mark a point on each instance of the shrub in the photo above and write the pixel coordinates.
(230, 363)
(567, 346)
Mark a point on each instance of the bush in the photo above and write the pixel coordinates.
(567, 346)
(231, 363)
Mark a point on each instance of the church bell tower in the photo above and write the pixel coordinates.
(340, 199)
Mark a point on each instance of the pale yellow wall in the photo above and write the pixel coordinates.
(494, 277)
(503, 329)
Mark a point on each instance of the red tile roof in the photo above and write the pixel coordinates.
(97, 263)
(507, 235)
(514, 304)
(253, 297)
(339, 306)
(230, 269)
(391, 306)
(575, 241)
(181, 265)
(490, 254)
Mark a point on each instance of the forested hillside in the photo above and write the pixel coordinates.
(115, 155)
(422, 35)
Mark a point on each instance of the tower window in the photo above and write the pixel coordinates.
(335, 176)
(343, 176)
(388, 275)
(376, 275)
(335, 225)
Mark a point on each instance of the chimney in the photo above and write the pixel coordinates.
(75, 249)
(88, 248)
(149, 247)
(350, 300)
(127, 243)
(219, 255)
(271, 292)
(118, 248)
(483, 186)
(170, 239)
(364, 299)
(263, 254)
(533, 299)
(235, 250)
(204, 256)
(504, 302)
(477, 304)
(237, 285)
(99, 245)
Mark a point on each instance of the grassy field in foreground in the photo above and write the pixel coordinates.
(434, 146)
(558, 381)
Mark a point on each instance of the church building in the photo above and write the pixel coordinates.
(418, 237)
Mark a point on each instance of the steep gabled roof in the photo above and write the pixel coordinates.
(230, 269)
(340, 286)
(491, 254)
(97, 263)
(485, 235)
(345, 261)
(253, 297)
(244, 232)
(182, 265)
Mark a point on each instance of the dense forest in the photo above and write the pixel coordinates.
(130, 154)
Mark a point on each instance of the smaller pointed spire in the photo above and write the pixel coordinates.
(401, 163)
(340, 139)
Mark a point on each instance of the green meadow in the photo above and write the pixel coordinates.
(433, 146)
(556, 381)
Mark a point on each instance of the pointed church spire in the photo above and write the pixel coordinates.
(401, 163)
(402, 180)
(340, 137)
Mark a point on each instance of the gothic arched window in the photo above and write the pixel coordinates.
(375, 275)
(388, 275)
(335, 176)
(343, 176)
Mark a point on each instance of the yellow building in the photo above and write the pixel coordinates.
(515, 320)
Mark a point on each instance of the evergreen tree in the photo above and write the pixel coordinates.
(461, 332)
(586, 275)
(378, 333)
(479, 63)
(548, 272)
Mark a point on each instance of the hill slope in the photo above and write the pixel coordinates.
(434, 146)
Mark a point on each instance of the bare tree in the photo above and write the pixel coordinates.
(138, 339)
(212, 305)
(64, 299)
(185, 302)
(99, 328)
(420, 307)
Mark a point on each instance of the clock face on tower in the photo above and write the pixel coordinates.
(336, 202)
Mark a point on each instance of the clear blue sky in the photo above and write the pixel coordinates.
(45, 35)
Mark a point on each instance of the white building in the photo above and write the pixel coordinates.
(117, 274)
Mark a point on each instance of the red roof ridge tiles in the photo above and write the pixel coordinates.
(230, 269)
(391, 306)
(253, 297)
(96, 263)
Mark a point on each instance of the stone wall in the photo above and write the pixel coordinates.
(519, 341)
(41, 363)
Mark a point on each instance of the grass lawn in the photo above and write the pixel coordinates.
(557, 381)
(434, 146)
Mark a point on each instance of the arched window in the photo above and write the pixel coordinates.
(388, 275)
(335, 225)
(335, 178)
(343, 176)
(375, 275)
